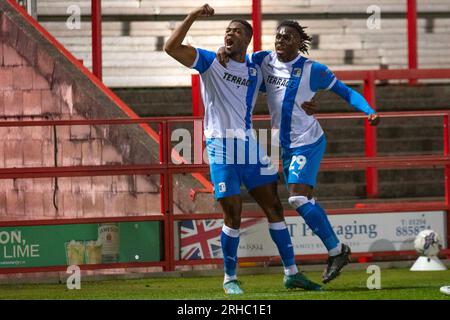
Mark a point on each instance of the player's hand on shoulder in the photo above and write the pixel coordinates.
(310, 107)
(204, 11)
(222, 56)
(374, 119)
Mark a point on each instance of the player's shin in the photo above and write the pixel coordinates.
(230, 241)
(317, 220)
(280, 235)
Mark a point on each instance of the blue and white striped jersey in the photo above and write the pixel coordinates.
(288, 85)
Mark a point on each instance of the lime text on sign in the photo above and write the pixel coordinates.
(18, 247)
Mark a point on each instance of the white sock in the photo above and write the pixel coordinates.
(234, 233)
(228, 278)
(335, 251)
(291, 270)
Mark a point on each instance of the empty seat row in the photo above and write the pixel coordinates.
(176, 7)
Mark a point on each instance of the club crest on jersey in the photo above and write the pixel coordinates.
(222, 187)
(297, 72)
(252, 72)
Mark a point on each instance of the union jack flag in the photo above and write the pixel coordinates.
(200, 239)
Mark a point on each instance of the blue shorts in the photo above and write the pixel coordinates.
(234, 162)
(301, 164)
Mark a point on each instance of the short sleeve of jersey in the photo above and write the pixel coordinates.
(203, 60)
(259, 56)
(321, 77)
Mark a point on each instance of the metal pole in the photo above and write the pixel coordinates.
(168, 198)
(162, 196)
(197, 111)
(162, 161)
(256, 18)
(96, 22)
(371, 138)
(412, 37)
(447, 174)
(165, 190)
(197, 102)
(170, 221)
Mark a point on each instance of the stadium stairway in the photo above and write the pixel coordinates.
(180, 7)
(135, 31)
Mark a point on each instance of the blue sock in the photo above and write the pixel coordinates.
(229, 241)
(317, 220)
(280, 235)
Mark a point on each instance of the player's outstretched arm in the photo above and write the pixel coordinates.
(323, 79)
(185, 54)
(356, 100)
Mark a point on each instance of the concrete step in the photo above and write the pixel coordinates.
(158, 7)
(181, 75)
(145, 72)
(158, 81)
(216, 27)
(351, 185)
(348, 190)
(393, 44)
(125, 57)
(332, 56)
(140, 53)
(387, 146)
(385, 134)
(131, 81)
(419, 146)
(341, 202)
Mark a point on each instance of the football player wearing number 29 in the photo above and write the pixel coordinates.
(290, 80)
(229, 96)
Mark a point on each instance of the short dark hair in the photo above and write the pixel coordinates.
(304, 37)
(247, 26)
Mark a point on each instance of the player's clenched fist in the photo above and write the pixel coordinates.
(204, 11)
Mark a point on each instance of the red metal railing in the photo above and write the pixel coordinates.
(447, 167)
(412, 36)
(371, 137)
(256, 19)
(166, 169)
(197, 102)
(369, 77)
(96, 22)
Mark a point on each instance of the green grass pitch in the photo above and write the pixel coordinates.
(395, 284)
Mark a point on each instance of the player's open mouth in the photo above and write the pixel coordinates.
(228, 43)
